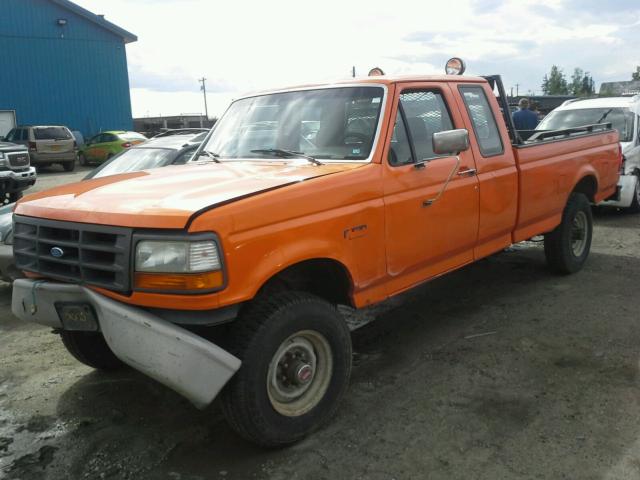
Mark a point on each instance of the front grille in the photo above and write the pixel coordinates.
(73, 252)
(20, 159)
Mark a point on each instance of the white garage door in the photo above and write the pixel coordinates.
(7, 121)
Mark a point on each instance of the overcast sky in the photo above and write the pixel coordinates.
(242, 46)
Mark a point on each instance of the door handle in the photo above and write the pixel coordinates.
(469, 172)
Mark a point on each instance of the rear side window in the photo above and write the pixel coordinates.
(484, 123)
(51, 133)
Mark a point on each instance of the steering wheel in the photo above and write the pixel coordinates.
(357, 135)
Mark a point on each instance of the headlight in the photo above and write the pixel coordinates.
(178, 265)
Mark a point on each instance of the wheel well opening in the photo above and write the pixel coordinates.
(326, 278)
(588, 186)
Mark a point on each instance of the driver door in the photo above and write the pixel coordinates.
(431, 201)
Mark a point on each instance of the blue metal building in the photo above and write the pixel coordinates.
(63, 65)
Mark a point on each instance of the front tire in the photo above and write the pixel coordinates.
(296, 363)
(91, 349)
(567, 246)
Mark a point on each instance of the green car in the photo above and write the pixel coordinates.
(105, 145)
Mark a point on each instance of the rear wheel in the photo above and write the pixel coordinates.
(91, 349)
(635, 202)
(567, 246)
(296, 362)
(69, 166)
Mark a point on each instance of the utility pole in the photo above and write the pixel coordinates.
(511, 92)
(203, 87)
(353, 71)
(517, 89)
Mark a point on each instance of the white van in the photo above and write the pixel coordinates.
(624, 114)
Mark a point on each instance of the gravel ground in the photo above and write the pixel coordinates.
(498, 371)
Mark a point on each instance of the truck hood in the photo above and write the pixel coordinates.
(167, 197)
(11, 147)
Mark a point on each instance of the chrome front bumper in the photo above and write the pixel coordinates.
(175, 357)
(16, 180)
(626, 189)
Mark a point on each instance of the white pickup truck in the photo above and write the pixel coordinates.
(624, 115)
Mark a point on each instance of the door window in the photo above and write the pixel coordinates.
(484, 123)
(426, 113)
(400, 150)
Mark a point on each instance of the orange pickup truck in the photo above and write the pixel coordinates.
(222, 276)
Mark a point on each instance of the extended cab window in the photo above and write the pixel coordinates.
(484, 123)
(330, 123)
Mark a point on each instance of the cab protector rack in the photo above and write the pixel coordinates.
(568, 132)
(521, 137)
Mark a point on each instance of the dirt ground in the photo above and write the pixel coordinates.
(498, 371)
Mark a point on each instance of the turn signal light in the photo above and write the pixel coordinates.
(127, 145)
(179, 281)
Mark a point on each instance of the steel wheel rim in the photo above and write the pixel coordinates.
(299, 373)
(579, 234)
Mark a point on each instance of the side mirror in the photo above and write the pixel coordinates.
(451, 142)
(2, 139)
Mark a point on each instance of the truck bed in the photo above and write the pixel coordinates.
(551, 167)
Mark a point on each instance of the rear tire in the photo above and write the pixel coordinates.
(635, 203)
(91, 349)
(69, 166)
(296, 363)
(567, 246)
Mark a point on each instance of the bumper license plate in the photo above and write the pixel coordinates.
(77, 316)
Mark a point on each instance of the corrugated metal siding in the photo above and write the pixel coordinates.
(74, 75)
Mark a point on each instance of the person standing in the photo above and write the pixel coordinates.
(524, 119)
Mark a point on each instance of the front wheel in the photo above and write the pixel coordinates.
(567, 246)
(296, 362)
(91, 349)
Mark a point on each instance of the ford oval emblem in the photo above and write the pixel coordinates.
(57, 252)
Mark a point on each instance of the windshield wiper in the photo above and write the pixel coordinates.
(604, 116)
(213, 156)
(278, 152)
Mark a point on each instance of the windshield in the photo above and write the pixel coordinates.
(51, 133)
(133, 160)
(331, 123)
(620, 118)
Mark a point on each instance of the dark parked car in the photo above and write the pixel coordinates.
(161, 152)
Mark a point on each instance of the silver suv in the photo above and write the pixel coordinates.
(47, 144)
